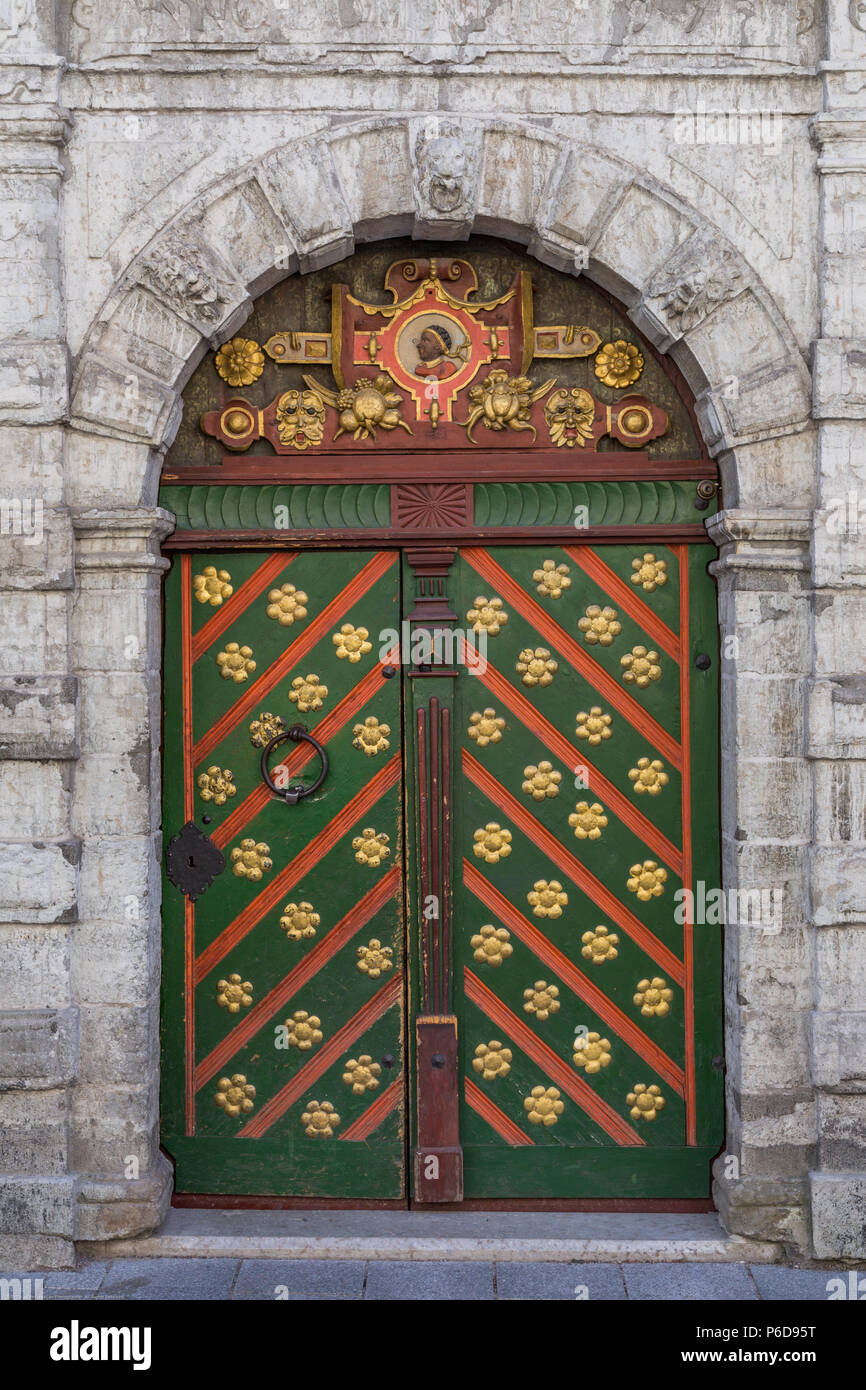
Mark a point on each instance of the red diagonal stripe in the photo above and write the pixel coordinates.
(389, 995)
(577, 872)
(568, 753)
(373, 1116)
(301, 647)
(232, 608)
(492, 1115)
(582, 662)
(324, 950)
(300, 755)
(552, 1065)
(568, 972)
(627, 597)
(294, 871)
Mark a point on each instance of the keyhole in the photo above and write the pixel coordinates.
(191, 861)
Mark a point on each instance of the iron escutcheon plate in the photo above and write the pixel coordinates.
(192, 861)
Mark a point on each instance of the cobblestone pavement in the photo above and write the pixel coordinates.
(170, 1279)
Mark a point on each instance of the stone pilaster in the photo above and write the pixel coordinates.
(836, 709)
(761, 1183)
(39, 851)
(123, 1182)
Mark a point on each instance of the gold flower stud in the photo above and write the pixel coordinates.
(251, 860)
(371, 737)
(235, 1095)
(371, 849)
(362, 1074)
(492, 1060)
(492, 843)
(587, 821)
(640, 666)
(374, 959)
(645, 1102)
(653, 997)
(216, 785)
(492, 945)
(647, 880)
(485, 728)
(542, 1000)
(487, 615)
(547, 898)
(235, 663)
(536, 666)
(212, 586)
(541, 781)
(595, 726)
(591, 1053)
(319, 1119)
(648, 776)
(299, 921)
(266, 727)
(543, 1106)
(287, 604)
(649, 572)
(308, 692)
(552, 579)
(303, 1030)
(234, 994)
(351, 642)
(600, 625)
(599, 945)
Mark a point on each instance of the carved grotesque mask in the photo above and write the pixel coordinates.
(446, 170)
(300, 418)
(569, 415)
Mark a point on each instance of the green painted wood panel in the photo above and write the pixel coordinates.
(245, 925)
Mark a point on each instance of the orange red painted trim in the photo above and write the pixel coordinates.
(332, 613)
(302, 863)
(374, 1115)
(552, 1065)
(573, 868)
(324, 950)
(232, 608)
(574, 757)
(688, 925)
(577, 657)
(571, 975)
(623, 594)
(493, 1116)
(384, 999)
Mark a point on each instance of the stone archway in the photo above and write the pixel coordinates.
(303, 206)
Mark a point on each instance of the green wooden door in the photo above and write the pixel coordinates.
(588, 1001)
(582, 759)
(283, 982)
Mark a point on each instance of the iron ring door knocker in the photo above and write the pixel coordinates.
(292, 795)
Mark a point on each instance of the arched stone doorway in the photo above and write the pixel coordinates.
(574, 208)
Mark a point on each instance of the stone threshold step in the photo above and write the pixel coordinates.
(371, 1235)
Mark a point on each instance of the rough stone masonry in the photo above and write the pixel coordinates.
(164, 165)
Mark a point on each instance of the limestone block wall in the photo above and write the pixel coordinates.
(163, 167)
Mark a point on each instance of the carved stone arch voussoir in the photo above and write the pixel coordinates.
(305, 204)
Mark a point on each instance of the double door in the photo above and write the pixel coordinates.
(464, 964)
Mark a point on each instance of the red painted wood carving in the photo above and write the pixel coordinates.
(441, 366)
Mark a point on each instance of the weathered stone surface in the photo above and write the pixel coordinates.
(38, 717)
(38, 881)
(33, 1131)
(38, 1048)
(838, 1215)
